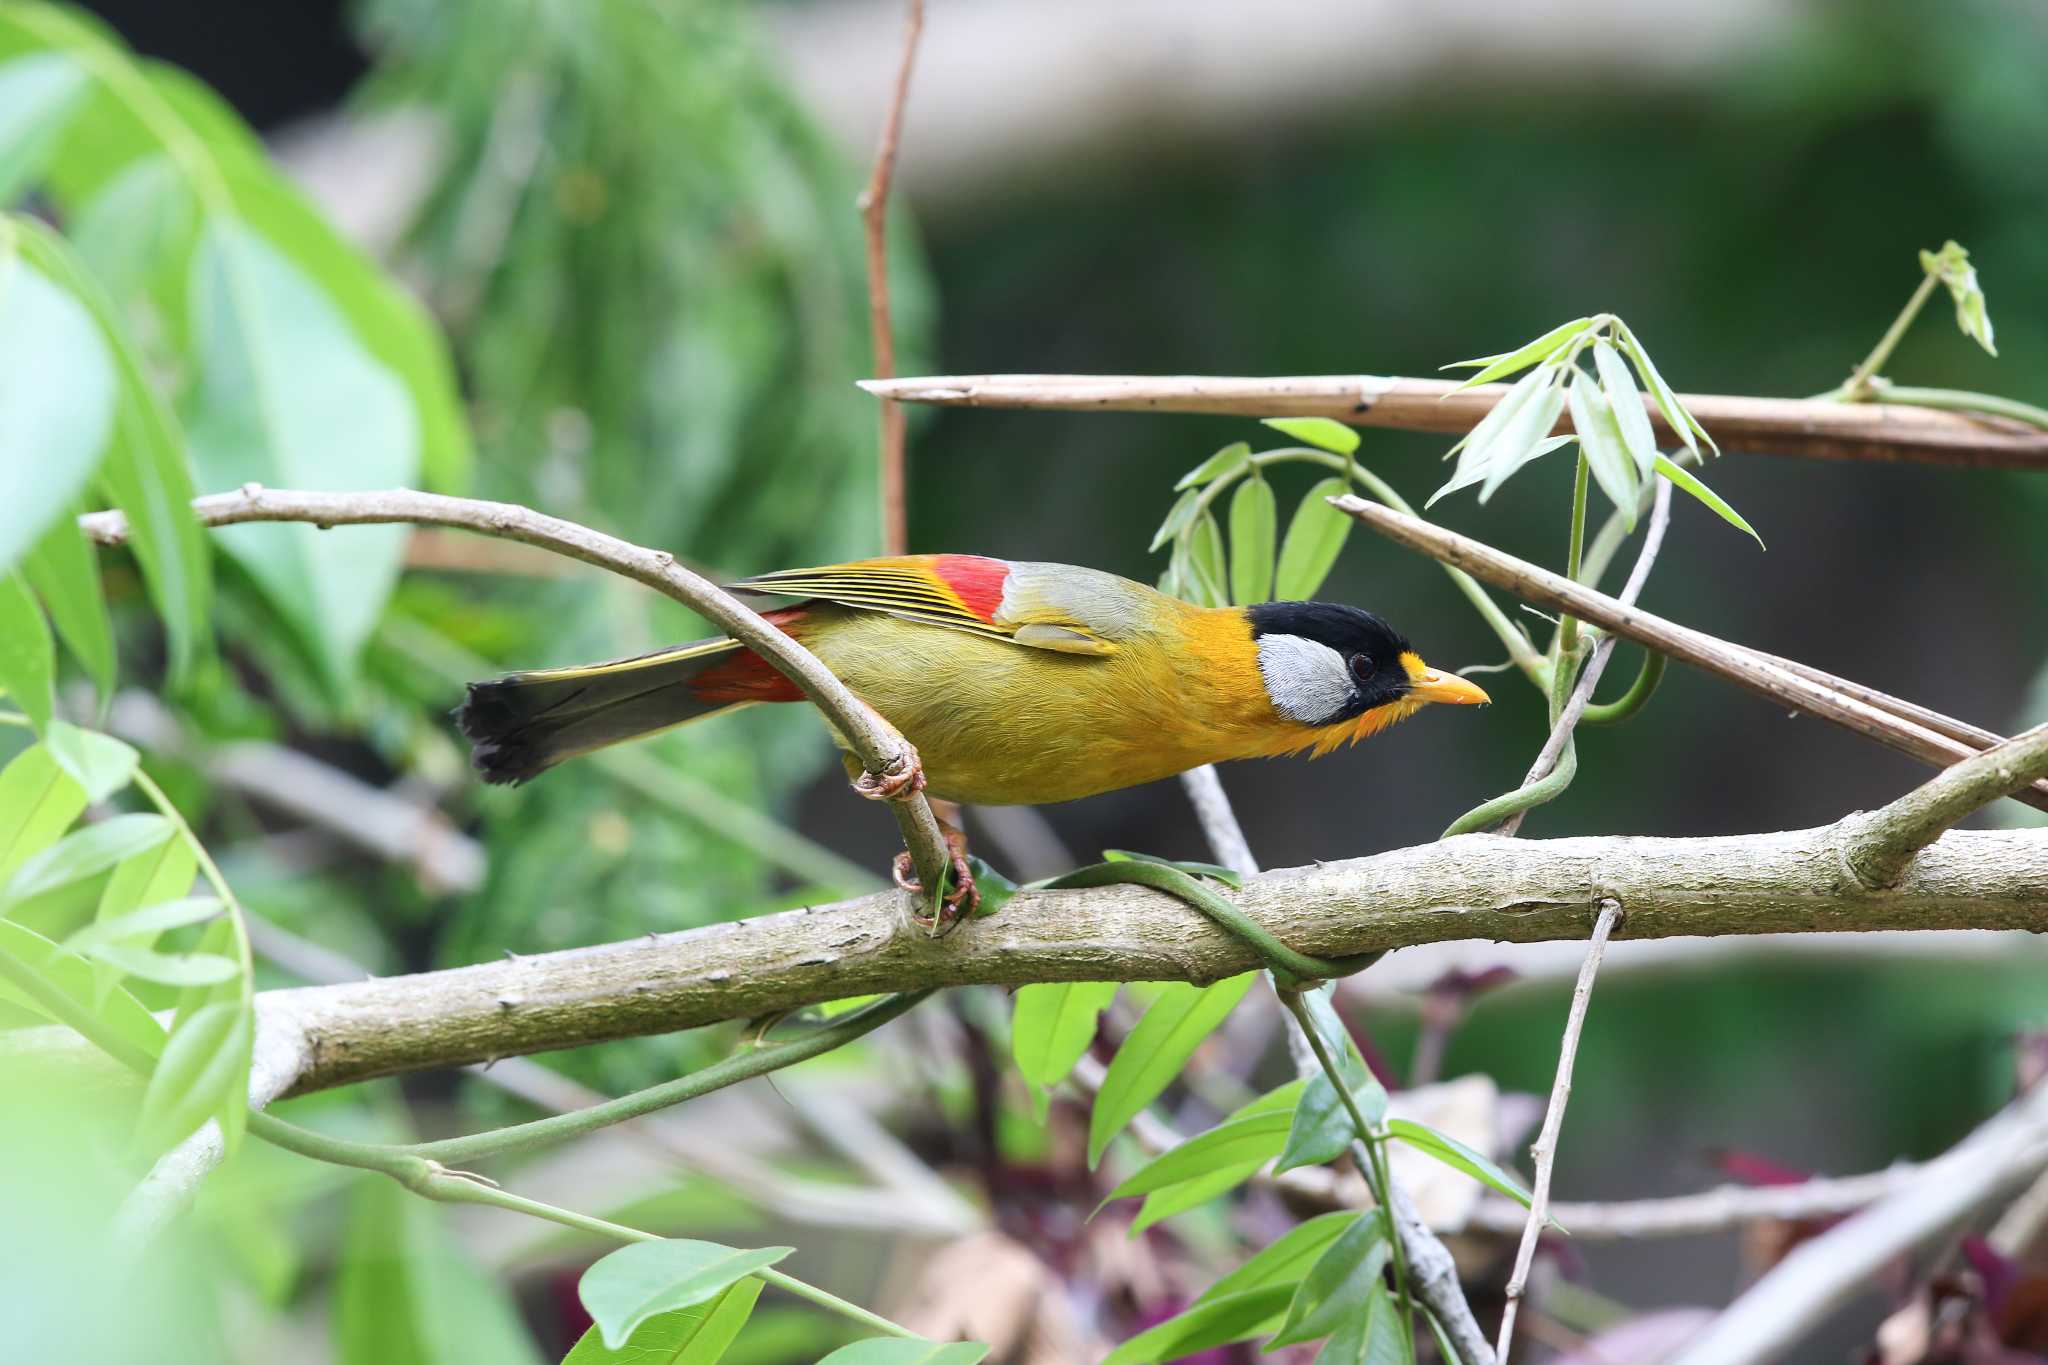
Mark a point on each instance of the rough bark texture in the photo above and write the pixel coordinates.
(1477, 886)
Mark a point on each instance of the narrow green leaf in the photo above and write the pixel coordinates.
(697, 1335)
(166, 969)
(1446, 1351)
(1493, 367)
(121, 1012)
(1371, 1336)
(1321, 432)
(66, 575)
(1171, 1200)
(1690, 482)
(1675, 415)
(1228, 460)
(57, 398)
(1052, 1024)
(39, 92)
(147, 474)
(1287, 1257)
(1951, 265)
(1177, 517)
(907, 1351)
(84, 855)
(1458, 1156)
(1523, 440)
(99, 763)
(1340, 1280)
(38, 802)
(1606, 453)
(636, 1282)
(1205, 562)
(1254, 1139)
(147, 922)
(1214, 871)
(1524, 389)
(995, 888)
(1156, 1050)
(1322, 1130)
(1625, 402)
(204, 1067)
(28, 659)
(1314, 540)
(1217, 1322)
(151, 878)
(1254, 530)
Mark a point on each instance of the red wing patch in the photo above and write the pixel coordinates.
(976, 580)
(745, 675)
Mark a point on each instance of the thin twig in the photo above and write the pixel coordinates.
(1744, 667)
(1888, 840)
(1815, 428)
(874, 212)
(1704, 1214)
(1589, 677)
(1544, 1149)
(883, 752)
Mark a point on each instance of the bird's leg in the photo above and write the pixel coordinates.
(964, 898)
(890, 786)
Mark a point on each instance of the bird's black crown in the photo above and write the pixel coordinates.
(1371, 648)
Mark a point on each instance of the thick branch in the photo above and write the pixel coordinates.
(882, 751)
(1746, 668)
(1814, 428)
(1472, 887)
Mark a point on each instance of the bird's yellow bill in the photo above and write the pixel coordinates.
(1427, 684)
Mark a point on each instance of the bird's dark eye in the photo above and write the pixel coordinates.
(1362, 667)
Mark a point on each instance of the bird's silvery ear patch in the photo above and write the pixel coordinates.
(1306, 680)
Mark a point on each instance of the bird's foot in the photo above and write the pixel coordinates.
(959, 903)
(896, 786)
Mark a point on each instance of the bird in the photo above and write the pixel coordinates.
(1017, 682)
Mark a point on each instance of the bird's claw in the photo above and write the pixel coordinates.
(960, 903)
(896, 786)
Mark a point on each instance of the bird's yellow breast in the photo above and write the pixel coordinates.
(1003, 724)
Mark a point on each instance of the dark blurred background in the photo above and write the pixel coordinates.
(1147, 188)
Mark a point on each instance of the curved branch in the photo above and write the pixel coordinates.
(1816, 428)
(882, 751)
(1887, 841)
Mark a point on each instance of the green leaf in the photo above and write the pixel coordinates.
(1051, 1025)
(1253, 1140)
(1493, 367)
(1314, 540)
(1177, 518)
(160, 875)
(636, 1282)
(1216, 1322)
(1457, 1156)
(1253, 530)
(147, 474)
(1214, 871)
(697, 1335)
(39, 93)
(995, 888)
(1675, 415)
(1524, 440)
(38, 802)
(1205, 562)
(1951, 265)
(1285, 1259)
(1625, 402)
(147, 922)
(204, 1067)
(1340, 1280)
(1321, 432)
(84, 855)
(405, 1293)
(1690, 482)
(1322, 1130)
(167, 969)
(907, 1351)
(1372, 1336)
(1156, 1050)
(65, 573)
(1228, 460)
(101, 764)
(28, 659)
(121, 1012)
(1163, 1204)
(1601, 441)
(57, 393)
(286, 397)
(1446, 1352)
